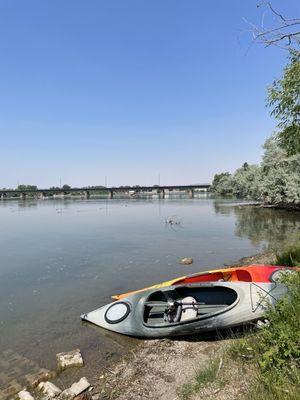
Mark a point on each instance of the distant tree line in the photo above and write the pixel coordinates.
(27, 187)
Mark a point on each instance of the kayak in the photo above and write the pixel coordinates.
(250, 273)
(187, 309)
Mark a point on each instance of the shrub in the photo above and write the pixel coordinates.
(279, 344)
(290, 257)
(275, 349)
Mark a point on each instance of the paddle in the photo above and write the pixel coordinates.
(173, 303)
(181, 303)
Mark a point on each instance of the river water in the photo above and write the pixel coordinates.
(61, 258)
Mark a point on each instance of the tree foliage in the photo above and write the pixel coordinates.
(275, 181)
(66, 187)
(222, 184)
(284, 99)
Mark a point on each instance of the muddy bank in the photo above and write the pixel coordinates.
(267, 257)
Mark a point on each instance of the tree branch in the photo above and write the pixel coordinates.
(284, 35)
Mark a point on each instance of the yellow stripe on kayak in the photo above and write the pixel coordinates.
(171, 282)
(157, 286)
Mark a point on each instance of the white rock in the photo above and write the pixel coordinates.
(49, 389)
(69, 359)
(41, 376)
(186, 261)
(261, 324)
(76, 388)
(24, 395)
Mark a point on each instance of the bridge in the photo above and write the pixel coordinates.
(85, 192)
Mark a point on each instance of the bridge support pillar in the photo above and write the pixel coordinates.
(191, 193)
(110, 194)
(3, 196)
(87, 194)
(40, 196)
(161, 193)
(22, 196)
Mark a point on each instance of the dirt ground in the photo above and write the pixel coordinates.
(156, 369)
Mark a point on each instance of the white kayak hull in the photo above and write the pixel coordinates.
(218, 305)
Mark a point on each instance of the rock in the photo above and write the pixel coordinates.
(69, 359)
(24, 395)
(43, 375)
(262, 323)
(186, 261)
(83, 396)
(49, 389)
(76, 388)
(12, 388)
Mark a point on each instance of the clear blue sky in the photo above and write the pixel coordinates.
(129, 89)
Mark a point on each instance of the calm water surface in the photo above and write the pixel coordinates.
(61, 258)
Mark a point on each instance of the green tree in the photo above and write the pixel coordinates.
(275, 181)
(66, 187)
(222, 184)
(245, 181)
(284, 99)
(280, 175)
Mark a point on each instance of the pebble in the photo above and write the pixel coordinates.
(82, 396)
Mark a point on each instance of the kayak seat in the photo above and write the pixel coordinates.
(188, 311)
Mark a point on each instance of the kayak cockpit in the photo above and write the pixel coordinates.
(183, 304)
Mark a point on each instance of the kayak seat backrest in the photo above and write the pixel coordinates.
(158, 295)
(188, 311)
(208, 295)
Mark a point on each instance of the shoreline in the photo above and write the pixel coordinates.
(285, 207)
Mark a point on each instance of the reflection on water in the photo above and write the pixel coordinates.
(61, 258)
(276, 228)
